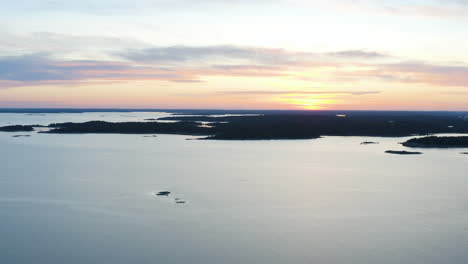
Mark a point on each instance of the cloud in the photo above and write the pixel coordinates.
(183, 54)
(187, 81)
(28, 103)
(243, 57)
(442, 75)
(432, 8)
(125, 6)
(456, 93)
(244, 71)
(42, 69)
(185, 64)
(358, 54)
(31, 68)
(298, 92)
(38, 69)
(63, 45)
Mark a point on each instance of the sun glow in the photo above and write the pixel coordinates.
(307, 101)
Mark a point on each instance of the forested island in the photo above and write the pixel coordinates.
(437, 142)
(403, 152)
(103, 127)
(17, 128)
(264, 125)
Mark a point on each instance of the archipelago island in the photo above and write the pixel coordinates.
(269, 125)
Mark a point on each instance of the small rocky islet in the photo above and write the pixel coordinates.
(17, 136)
(163, 193)
(369, 143)
(179, 201)
(167, 193)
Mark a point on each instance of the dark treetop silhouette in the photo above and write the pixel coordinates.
(280, 124)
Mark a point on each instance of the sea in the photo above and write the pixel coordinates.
(91, 198)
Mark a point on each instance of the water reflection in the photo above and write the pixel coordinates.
(90, 199)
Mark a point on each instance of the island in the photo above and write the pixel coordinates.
(103, 127)
(402, 152)
(17, 136)
(313, 124)
(369, 143)
(17, 128)
(437, 142)
(276, 125)
(179, 201)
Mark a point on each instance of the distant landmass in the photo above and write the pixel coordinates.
(402, 152)
(17, 128)
(182, 128)
(437, 142)
(265, 125)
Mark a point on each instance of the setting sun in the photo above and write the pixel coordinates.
(309, 102)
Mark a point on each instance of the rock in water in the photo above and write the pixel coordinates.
(369, 142)
(21, 136)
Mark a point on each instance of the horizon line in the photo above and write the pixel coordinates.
(214, 109)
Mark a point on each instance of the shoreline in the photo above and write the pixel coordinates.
(274, 126)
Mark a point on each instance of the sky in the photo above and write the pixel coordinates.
(235, 54)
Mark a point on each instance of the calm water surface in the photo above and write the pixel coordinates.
(89, 199)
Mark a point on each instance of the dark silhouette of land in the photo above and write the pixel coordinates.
(302, 124)
(402, 152)
(437, 142)
(99, 127)
(369, 143)
(265, 125)
(17, 128)
(17, 136)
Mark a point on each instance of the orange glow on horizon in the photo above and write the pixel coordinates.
(307, 101)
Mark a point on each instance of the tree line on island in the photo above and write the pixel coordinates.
(282, 125)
